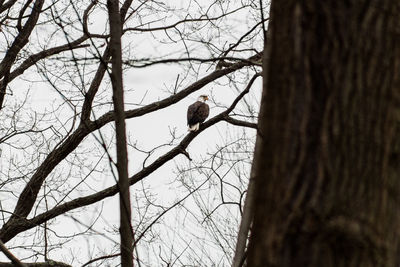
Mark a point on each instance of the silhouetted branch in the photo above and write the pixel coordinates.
(37, 264)
(240, 122)
(18, 223)
(19, 42)
(15, 260)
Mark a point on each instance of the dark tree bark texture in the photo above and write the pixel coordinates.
(328, 172)
(125, 229)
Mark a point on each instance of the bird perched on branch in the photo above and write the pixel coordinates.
(197, 113)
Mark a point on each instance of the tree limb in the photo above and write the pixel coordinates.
(18, 222)
(37, 264)
(240, 122)
(15, 260)
(19, 42)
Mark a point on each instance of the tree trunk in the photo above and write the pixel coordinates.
(122, 154)
(328, 172)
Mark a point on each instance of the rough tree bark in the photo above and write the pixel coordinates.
(122, 154)
(327, 178)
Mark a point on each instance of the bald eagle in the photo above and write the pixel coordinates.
(197, 113)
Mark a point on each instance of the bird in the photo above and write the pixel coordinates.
(197, 113)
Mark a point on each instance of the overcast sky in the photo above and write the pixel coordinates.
(143, 86)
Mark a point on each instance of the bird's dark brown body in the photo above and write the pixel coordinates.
(197, 113)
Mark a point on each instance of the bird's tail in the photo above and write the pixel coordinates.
(194, 127)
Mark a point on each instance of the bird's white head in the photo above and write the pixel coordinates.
(203, 98)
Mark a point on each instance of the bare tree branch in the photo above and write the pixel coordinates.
(143, 64)
(7, 5)
(15, 260)
(37, 264)
(19, 42)
(33, 59)
(58, 139)
(240, 122)
(19, 223)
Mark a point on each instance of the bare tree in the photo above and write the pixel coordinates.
(59, 149)
(326, 159)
